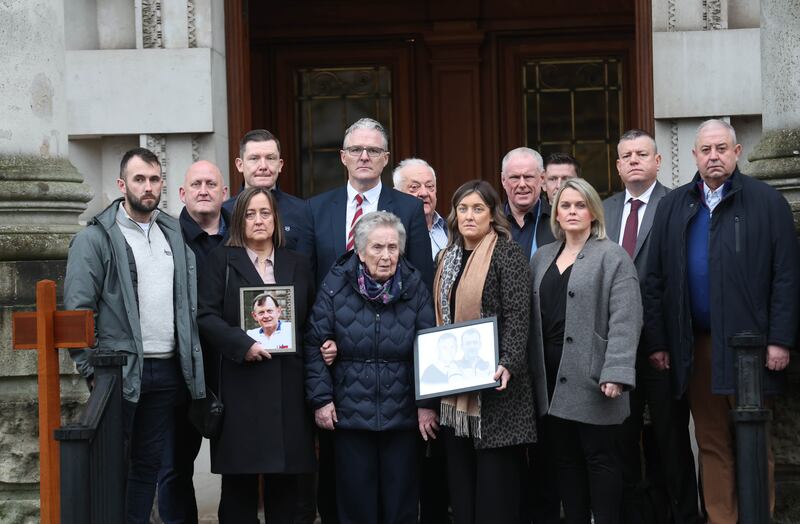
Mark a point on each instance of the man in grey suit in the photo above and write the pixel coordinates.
(629, 218)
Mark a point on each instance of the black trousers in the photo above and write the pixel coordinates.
(484, 484)
(326, 478)
(541, 502)
(176, 500)
(589, 474)
(238, 502)
(434, 499)
(377, 476)
(671, 466)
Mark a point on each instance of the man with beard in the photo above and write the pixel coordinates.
(132, 268)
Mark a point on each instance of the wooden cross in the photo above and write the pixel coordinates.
(45, 330)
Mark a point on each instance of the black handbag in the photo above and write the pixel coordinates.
(206, 415)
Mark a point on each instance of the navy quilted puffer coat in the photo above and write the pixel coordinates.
(371, 382)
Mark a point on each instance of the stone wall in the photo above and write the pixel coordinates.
(19, 424)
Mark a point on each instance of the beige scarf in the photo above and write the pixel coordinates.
(463, 412)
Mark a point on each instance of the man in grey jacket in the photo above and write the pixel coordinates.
(629, 219)
(132, 268)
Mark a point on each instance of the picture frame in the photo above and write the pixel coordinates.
(269, 308)
(456, 358)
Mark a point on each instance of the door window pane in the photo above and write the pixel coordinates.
(329, 100)
(575, 106)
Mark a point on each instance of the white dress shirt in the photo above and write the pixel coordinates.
(369, 205)
(626, 210)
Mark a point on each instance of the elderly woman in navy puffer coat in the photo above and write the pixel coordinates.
(361, 383)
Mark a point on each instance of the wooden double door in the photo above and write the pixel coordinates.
(455, 83)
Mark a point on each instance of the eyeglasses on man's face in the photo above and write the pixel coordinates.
(357, 151)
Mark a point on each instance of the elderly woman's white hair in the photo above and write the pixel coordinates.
(374, 220)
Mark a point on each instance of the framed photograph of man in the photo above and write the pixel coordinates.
(267, 314)
(456, 358)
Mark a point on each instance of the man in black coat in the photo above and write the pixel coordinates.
(629, 221)
(724, 260)
(204, 225)
(260, 164)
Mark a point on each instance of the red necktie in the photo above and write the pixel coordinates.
(359, 212)
(631, 227)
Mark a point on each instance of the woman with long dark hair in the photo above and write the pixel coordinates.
(483, 273)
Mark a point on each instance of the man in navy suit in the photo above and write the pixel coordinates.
(260, 163)
(629, 219)
(365, 153)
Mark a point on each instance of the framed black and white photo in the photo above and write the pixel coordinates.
(456, 358)
(267, 314)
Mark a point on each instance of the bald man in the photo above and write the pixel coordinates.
(204, 225)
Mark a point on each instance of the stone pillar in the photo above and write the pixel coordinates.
(776, 160)
(41, 197)
(41, 193)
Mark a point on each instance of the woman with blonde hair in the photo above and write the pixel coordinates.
(586, 320)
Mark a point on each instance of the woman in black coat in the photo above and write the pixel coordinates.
(267, 429)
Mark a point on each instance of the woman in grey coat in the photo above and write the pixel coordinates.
(585, 325)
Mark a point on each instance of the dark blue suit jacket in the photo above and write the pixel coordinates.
(296, 228)
(328, 214)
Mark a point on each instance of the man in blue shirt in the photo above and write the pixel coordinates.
(522, 175)
(528, 212)
(416, 177)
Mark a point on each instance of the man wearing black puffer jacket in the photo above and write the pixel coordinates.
(724, 259)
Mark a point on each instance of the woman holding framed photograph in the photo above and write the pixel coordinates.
(266, 429)
(586, 320)
(483, 273)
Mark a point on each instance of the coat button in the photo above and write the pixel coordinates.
(571, 294)
(201, 392)
(563, 380)
(580, 255)
(197, 350)
(569, 340)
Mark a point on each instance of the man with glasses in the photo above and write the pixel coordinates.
(364, 153)
(522, 175)
(334, 213)
(528, 212)
(260, 164)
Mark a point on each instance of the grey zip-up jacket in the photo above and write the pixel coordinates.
(100, 277)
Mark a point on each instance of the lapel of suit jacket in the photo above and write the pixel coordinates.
(614, 218)
(386, 199)
(647, 220)
(241, 263)
(338, 215)
(284, 270)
